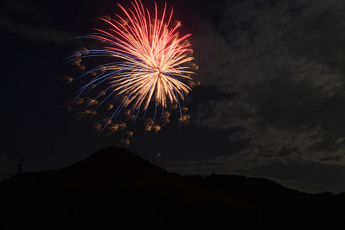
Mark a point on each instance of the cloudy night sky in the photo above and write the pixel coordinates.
(271, 102)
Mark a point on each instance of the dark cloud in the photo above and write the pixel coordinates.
(310, 36)
(294, 172)
(276, 93)
(27, 21)
(206, 93)
(282, 63)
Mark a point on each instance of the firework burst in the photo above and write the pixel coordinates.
(151, 66)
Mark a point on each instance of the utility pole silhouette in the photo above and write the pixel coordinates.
(20, 166)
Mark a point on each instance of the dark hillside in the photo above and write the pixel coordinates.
(115, 188)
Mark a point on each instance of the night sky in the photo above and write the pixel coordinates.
(271, 102)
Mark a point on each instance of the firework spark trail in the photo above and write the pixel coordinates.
(155, 63)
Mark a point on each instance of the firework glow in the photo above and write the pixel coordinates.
(150, 66)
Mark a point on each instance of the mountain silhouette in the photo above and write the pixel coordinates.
(116, 189)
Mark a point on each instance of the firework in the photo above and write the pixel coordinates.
(150, 66)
